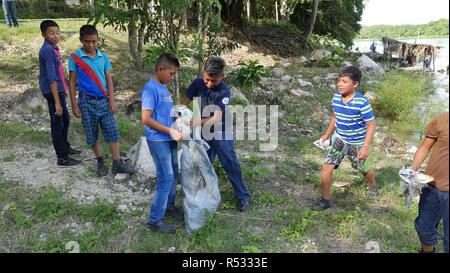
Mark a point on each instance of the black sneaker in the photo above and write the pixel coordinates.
(101, 169)
(175, 213)
(162, 226)
(72, 151)
(243, 205)
(67, 162)
(321, 205)
(119, 167)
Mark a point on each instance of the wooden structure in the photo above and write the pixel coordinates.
(419, 52)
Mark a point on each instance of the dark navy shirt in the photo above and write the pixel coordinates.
(219, 96)
(50, 68)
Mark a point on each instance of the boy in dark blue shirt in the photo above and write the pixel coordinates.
(215, 97)
(53, 88)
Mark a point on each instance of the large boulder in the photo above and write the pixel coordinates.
(237, 95)
(300, 93)
(319, 54)
(367, 65)
(141, 160)
(32, 99)
(278, 72)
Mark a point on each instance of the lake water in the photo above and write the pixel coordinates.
(442, 61)
(441, 79)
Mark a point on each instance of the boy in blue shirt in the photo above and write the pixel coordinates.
(96, 103)
(157, 106)
(53, 87)
(215, 96)
(353, 127)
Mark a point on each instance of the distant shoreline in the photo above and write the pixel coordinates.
(401, 38)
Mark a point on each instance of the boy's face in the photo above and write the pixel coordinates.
(211, 81)
(346, 85)
(90, 43)
(166, 75)
(52, 35)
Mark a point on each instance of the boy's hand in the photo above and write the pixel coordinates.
(324, 137)
(363, 153)
(59, 109)
(176, 135)
(112, 107)
(76, 111)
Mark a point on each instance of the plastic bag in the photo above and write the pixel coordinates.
(412, 183)
(322, 144)
(198, 178)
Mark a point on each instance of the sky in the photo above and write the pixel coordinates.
(399, 12)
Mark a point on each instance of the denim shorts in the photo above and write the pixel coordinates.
(339, 149)
(94, 112)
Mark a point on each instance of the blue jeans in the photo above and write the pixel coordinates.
(165, 157)
(433, 206)
(224, 149)
(59, 125)
(9, 9)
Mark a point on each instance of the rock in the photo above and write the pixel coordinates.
(141, 160)
(121, 178)
(332, 76)
(300, 93)
(303, 59)
(346, 63)
(412, 150)
(171, 249)
(319, 54)
(286, 79)
(122, 208)
(32, 99)
(370, 95)
(304, 83)
(278, 72)
(367, 65)
(236, 94)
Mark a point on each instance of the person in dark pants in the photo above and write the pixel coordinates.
(433, 203)
(53, 88)
(9, 9)
(215, 96)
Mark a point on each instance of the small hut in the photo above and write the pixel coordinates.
(419, 52)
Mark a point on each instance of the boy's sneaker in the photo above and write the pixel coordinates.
(175, 213)
(101, 169)
(119, 167)
(73, 151)
(321, 205)
(372, 192)
(67, 162)
(243, 205)
(162, 226)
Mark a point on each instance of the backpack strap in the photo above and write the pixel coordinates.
(88, 70)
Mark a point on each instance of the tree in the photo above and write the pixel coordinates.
(231, 13)
(313, 19)
(126, 15)
(336, 19)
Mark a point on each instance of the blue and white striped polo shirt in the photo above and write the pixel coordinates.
(351, 118)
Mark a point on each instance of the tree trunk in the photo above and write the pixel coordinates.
(283, 10)
(48, 12)
(276, 11)
(92, 4)
(232, 13)
(133, 39)
(313, 19)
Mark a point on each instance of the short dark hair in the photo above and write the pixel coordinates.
(167, 60)
(88, 30)
(46, 24)
(214, 66)
(353, 72)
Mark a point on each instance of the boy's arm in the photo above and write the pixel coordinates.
(109, 85)
(54, 89)
(422, 153)
(364, 152)
(330, 129)
(72, 81)
(147, 120)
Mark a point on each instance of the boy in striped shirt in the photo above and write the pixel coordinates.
(351, 129)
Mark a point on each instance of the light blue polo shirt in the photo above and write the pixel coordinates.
(156, 97)
(99, 65)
